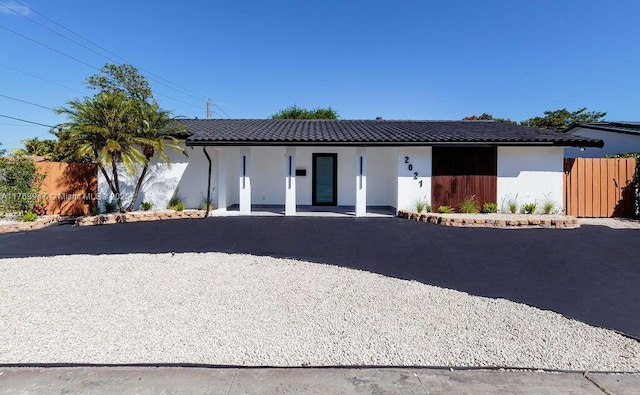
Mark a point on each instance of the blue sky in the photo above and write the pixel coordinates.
(394, 59)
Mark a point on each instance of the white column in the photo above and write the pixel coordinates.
(361, 182)
(245, 181)
(222, 180)
(290, 181)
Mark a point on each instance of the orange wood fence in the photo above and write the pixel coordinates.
(599, 187)
(68, 189)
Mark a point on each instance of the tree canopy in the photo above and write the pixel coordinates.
(561, 119)
(558, 120)
(487, 117)
(295, 112)
(120, 127)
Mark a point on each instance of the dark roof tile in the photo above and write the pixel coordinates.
(371, 132)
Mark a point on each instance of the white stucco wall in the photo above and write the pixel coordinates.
(531, 174)
(346, 174)
(409, 188)
(381, 176)
(268, 168)
(188, 174)
(267, 175)
(614, 143)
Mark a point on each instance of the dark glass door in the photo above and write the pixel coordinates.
(325, 180)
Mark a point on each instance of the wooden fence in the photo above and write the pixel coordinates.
(599, 187)
(68, 189)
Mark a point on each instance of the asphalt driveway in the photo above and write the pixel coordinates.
(591, 274)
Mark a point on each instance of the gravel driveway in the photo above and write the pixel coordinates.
(216, 308)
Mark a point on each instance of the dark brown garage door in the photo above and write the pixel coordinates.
(461, 172)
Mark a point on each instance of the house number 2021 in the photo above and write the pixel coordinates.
(415, 173)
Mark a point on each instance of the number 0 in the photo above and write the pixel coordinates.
(410, 167)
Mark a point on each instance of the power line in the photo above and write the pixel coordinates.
(27, 102)
(48, 47)
(105, 50)
(16, 124)
(24, 120)
(83, 62)
(40, 78)
(55, 32)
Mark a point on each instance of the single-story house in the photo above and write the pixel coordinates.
(618, 137)
(244, 164)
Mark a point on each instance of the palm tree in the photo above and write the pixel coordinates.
(45, 148)
(159, 130)
(106, 128)
(115, 130)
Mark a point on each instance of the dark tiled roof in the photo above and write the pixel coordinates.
(615, 127)
(371, 132)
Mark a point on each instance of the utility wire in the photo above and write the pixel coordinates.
(83, 46)
(27, 102)
(200, 96)
(40, 78)
(85, 63)
(59, 34)
(48, 47)
(24, 120)
(19, 125)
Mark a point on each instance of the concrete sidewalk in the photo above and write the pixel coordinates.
(170, 380)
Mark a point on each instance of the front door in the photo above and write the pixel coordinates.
(325, 180)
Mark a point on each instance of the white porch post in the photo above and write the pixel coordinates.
(222, 180)
(290, 181)
(361, 182)
(245, 181)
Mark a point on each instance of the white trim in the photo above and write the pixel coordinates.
(245, 181)
(290, 181)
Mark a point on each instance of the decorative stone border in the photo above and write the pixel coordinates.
(493, 221)
(20, 226)
(138, 216)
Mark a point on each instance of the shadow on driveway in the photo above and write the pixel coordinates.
(591, 274)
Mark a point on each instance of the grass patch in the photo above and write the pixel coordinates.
(469, 205)
(488, 208)
(446, 210)
(529, 208)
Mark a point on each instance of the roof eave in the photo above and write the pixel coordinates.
(244, 143)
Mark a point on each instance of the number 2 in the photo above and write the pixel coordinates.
(406, 159)
(415, 175)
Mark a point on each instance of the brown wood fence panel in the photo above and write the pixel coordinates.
(461, 172)
(599, 187)
(69, 189)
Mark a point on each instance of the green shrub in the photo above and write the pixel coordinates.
(177, 207)
(175, 200)
(446, 210)
(529, 208)
(94, 210)
(29, 217)
(206, 204)
(489, 208)
(146, 206)
(469, 205)
(110, 206)
(421, 205)
(548, 205)
(511, 204)
(20, 182)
